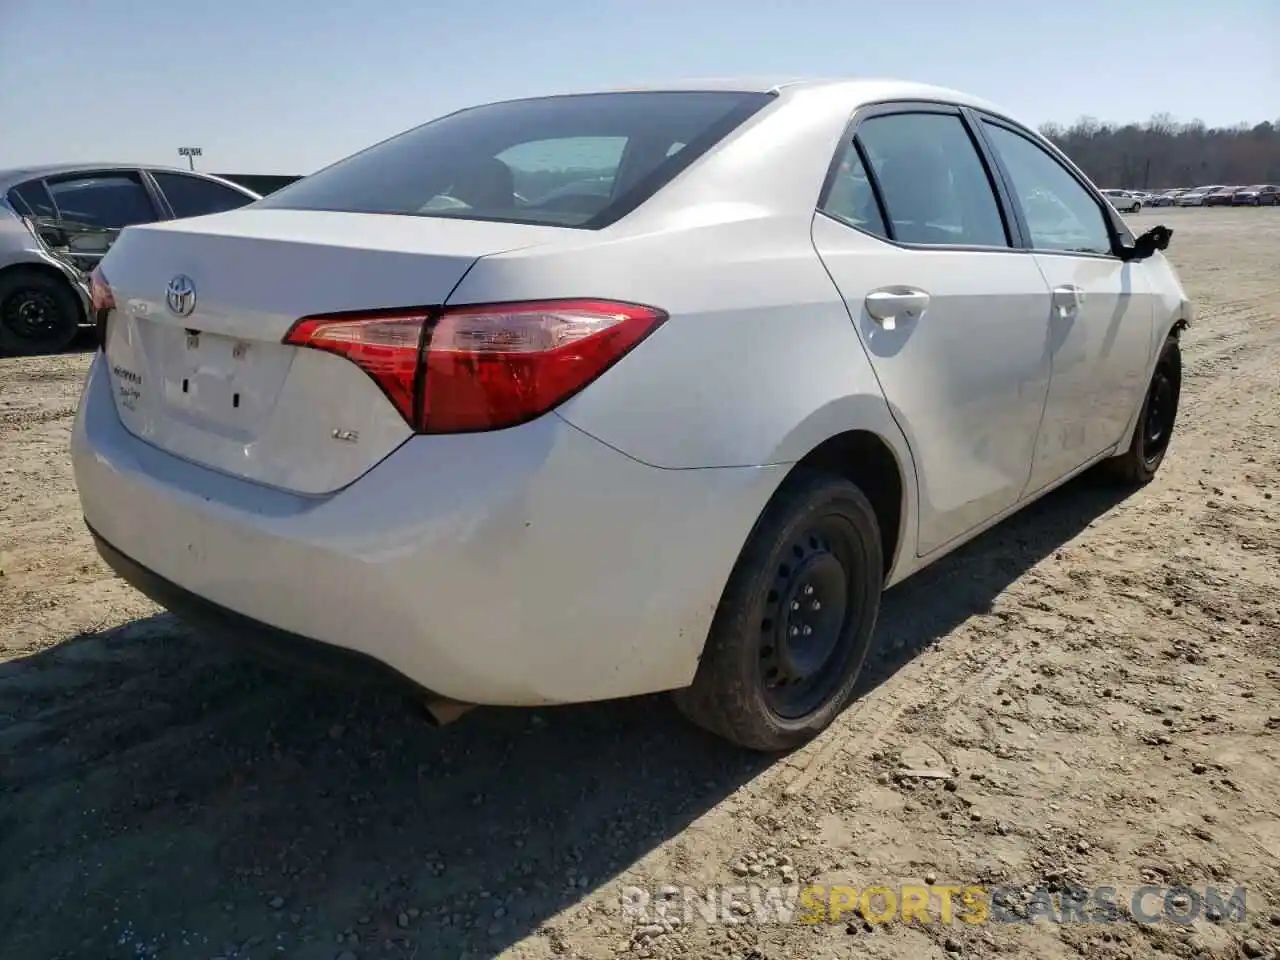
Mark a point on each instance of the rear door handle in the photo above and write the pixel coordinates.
(888, 305)
(1067, 300)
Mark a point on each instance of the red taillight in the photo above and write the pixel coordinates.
(100, 291)
(483, 367)
(385, 347)
(102, 300)
(496, 366)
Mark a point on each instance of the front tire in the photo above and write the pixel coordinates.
(1137, 466)
(39, 313)
(793, 627)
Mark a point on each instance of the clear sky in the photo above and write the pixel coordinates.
(286, 86)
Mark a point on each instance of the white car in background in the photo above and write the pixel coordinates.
(1126, 201)
(678, 434)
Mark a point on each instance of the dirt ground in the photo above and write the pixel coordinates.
(1092, 688)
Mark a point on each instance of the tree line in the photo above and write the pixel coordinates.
(1164, 152)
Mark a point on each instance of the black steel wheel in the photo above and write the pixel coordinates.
(794, 625)
(804, 635)
(39, 313)
(1154, 430)
(1161, 410)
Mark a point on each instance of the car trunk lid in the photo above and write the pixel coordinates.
(195, 346)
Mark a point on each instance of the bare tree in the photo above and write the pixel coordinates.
(1164, 152)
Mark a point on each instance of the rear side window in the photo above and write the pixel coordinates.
(574, 161)
(31, 199)
(194, 197)
(108, 200)
(850, 197)
(932, 181)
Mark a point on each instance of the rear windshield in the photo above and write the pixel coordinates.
(573, 161)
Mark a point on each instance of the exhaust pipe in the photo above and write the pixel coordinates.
(443, 712)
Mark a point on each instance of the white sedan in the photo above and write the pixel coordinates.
(1124, 200)
(435, 410)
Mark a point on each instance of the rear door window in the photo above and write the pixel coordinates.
(574, 161)
(105, 200)
(850, 197)
(932, 180)
(31, 199)
(195, 197)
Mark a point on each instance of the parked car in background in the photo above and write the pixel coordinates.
(56, 223)
(1124, 200)
(1196, 196)
(1221, 197)
(1160, 199)
(813, 337)
(1259, 195)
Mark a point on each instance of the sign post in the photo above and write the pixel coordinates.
(191, 153)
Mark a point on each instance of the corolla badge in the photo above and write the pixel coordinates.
(180, 295)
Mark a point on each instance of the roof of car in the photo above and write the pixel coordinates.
(858, 89)
(14, 175)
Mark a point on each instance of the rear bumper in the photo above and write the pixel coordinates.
(521, 567)
(280, 646)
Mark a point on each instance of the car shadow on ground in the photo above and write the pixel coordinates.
(161, 798)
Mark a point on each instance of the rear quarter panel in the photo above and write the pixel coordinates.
(757, 364)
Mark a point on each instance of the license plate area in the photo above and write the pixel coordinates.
(226, 385)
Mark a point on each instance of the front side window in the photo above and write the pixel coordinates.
(195, 197)
(932, 181)
(108, 201)
(574, 161)
(1060, 213)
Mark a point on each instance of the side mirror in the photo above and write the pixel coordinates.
(1157, 238)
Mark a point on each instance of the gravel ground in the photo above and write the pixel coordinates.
(1093, 689)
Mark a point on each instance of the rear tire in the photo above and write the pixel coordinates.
(1137, 466)
(793, 627)
(39, 313)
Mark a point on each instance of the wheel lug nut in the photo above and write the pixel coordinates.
(794, 631)
(807, 631)
(815, 605)
(808, 590)
(795, 604)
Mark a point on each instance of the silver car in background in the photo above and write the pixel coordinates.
(57, 221)
(1196, 197)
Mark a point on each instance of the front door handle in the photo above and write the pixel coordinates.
(1067, 300)
(888, 305)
